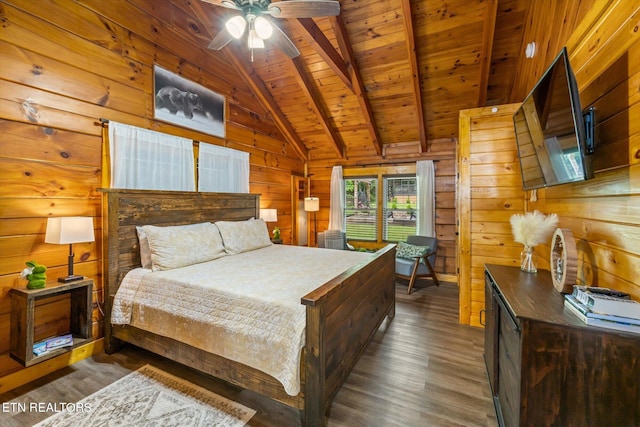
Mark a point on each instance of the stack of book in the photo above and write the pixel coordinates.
(603, 307)
(51, 344)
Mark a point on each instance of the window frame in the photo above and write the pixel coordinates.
(384, 217)
(378, 172)
(376, 207)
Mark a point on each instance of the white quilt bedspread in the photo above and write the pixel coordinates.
(244, 307)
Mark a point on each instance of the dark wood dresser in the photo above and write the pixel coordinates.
(546, 367)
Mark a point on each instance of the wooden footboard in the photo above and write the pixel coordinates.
(342, 315)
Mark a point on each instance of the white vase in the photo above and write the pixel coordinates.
(526, 260)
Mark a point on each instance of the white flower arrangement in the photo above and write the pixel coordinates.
(533, 228)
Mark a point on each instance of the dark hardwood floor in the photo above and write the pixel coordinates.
(422, 369)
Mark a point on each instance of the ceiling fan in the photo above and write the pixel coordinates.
(256, 15)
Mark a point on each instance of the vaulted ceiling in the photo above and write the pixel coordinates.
(390, 76)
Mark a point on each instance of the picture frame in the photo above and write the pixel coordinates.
(184, 103)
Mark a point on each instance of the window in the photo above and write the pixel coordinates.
(394, 216)
(361, 208)
(400, 209)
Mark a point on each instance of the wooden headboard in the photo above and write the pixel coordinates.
(123, 210)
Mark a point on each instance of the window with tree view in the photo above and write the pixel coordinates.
(396, 212)
(361, 208)
(400, 208)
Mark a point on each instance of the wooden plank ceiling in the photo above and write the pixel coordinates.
(383, 73)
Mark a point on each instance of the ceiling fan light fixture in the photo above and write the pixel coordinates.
(236, 26)
(258, 16)
(255, 42)
(263, 27)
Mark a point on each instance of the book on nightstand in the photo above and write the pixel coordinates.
(51, 344)
(584, 313)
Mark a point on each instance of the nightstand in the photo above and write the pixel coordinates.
(23, 306)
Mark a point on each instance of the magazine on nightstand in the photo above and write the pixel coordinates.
(52, 343)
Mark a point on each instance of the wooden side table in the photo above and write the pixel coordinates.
(23, 302)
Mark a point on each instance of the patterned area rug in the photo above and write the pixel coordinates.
(151, 397)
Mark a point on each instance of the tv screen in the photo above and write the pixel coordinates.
(550, 130)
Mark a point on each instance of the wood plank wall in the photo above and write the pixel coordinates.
(489, 192)
(65, 64)
(604, 213)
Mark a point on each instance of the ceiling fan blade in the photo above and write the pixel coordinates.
(224, 3)
(220, 40)
(283, 42)
(303, 8)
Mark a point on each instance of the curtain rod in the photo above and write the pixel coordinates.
(105, 122)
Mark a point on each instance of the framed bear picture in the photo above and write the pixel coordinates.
(181, 102)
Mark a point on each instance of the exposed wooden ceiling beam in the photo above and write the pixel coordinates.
(316, 38)
(259, 89)
(358, 86)
(415, 76)
(310, 89)
(238, 59)
(488, 31)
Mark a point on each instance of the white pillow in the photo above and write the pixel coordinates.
(243, 236)
(182, 245)
(145, 250)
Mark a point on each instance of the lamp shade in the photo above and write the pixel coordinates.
(311, 204)
(236, 26)
(269, 215)
(263, 27)
(69, 229)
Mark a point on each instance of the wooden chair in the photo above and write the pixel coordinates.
(420, 266)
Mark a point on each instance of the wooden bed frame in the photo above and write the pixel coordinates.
(342, 315)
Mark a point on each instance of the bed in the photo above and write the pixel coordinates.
(342, 314)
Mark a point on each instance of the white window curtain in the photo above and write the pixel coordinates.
(336, 202)
(149, 160)
(222, 169)
(425, 174)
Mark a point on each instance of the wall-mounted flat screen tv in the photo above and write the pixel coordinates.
(550, 130)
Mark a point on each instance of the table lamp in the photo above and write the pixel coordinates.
(271, 215)
(69, 230)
